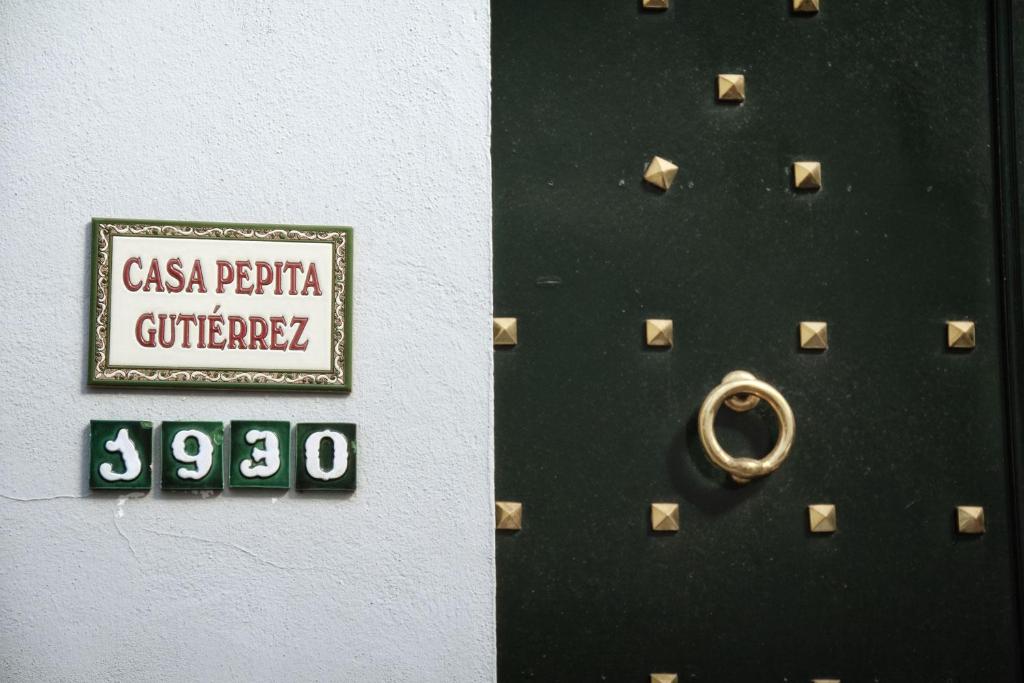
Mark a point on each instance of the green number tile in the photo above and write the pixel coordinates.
(260, 454)
(192, 455)
(121, 455)
(325, 456)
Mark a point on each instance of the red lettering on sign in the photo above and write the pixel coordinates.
(186, 341)
(125, 274)
(258, 329)
(311, 281)
(166, 340)
(264, 275)
(277, 341)
(224, 275)
(153, 279)
(196, 282)
(236, 332)
(293, 267)
(216, 336)
(301, 324)
(176, 275)
(147, 340)
(243, 270)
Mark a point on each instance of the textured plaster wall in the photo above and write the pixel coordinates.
(370, 114)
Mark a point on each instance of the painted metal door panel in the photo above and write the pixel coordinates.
(896, 102)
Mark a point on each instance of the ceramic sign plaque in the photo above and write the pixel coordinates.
(259, 454)
(221, 305)
(325, 456)
(192, 455)
(121, 455)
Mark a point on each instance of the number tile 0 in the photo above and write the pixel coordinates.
(325, 456)
(260, 454)
(120, 455)
(192, 456)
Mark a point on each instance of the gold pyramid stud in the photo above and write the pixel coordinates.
(508, 515)
(822, 518)
(732, 87)
(506, 331)
(807, 175)
(664, 678)
(806, 6)
(656, 4)
(813, 335)
(960, 334)
(970, 519)
(664, 517)
(659, 332)
(661, 172)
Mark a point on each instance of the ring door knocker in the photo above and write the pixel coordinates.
(741, 391)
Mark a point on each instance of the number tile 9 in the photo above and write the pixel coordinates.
(192, 456)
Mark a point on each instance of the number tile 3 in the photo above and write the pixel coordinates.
(259, 454)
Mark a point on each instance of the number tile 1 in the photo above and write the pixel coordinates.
(325, 456)
(260, 454)
(120, 455)
(192, 456)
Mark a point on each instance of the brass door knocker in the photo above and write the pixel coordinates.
(741, 391)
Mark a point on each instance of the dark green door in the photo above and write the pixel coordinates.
(897, 102)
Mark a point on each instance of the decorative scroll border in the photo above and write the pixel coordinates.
(100, 373)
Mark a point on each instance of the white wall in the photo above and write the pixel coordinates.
(370, 114)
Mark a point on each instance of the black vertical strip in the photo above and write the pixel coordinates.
(1012, 261)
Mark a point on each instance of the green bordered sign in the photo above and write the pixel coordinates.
(221, 305)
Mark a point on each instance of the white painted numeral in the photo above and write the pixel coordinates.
(203, 459)
(340, 464)
(122, 444)
(262, 463)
